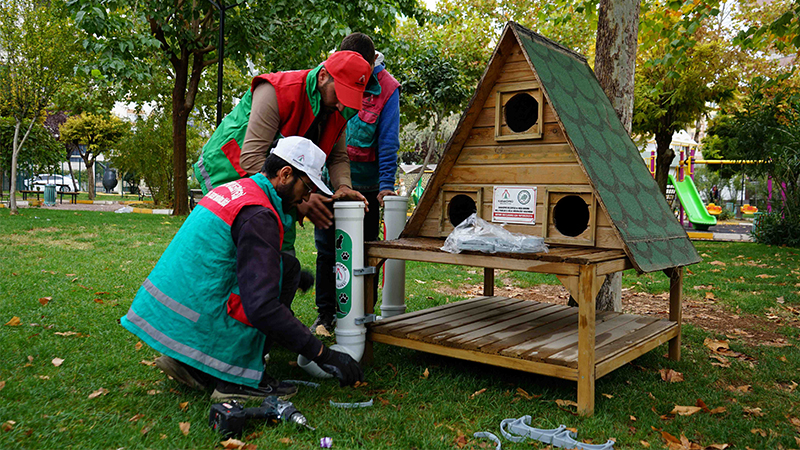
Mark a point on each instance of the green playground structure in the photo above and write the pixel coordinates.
(690, 199)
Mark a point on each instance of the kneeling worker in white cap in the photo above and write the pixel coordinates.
(212, 304)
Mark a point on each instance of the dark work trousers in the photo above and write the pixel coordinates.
(326, 256)
(289, 284)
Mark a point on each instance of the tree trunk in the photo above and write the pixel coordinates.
(664, 157)
(615, 66)
(15, 147)
(89, 177)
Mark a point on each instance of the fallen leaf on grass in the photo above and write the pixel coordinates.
(136, 418)
(98, 300)
(14, 322)
(608, 396)
(795, 421)
(420, 281)
(286, 441)
(184, 426)
(146, 429)
(138, 346)
(232, 444)
(717, 263)
(710, 296)
(98, 393)
(685, 410)
(671, 376)
(425, 374)
(45, 300)
(524, 394)
(44, 377)
(759, 432)
(745, 388)
(153, 392)
(460, 440)
(566, 403)
(723, 362)
(717, 446)
(752, 411)
(147, 363)
(763, 275)
(8, 425)
(715, 345)
(57, 361)
(477, 393)
(645, 444)
(633, 418)
(65, 333)
(321, 331)
(797, 440)
(2, 385)
(183, 405)
(30, 358)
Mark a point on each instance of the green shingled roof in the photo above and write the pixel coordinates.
(653, 238)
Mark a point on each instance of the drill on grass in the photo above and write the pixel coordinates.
(229, 418)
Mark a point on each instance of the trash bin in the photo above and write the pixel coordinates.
(50, 195)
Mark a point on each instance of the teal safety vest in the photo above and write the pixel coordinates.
(189, 307)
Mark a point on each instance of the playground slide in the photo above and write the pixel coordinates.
(692, 204)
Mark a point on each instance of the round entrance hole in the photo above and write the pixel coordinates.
(571, 216)
(522, 112)
(461, 207)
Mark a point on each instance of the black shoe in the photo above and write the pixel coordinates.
(284, 391)
(228, 391)
(186, 374)
(327, 321)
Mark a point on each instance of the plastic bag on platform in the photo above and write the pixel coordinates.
(479, 235)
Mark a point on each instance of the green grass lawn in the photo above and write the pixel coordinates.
(69, 276)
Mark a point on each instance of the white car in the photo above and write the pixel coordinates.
(37, 183)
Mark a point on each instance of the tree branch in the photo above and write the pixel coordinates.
(158, 33)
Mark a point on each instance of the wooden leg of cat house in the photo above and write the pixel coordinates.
(488, 282)
(675, 313)
(369, 304)
(586, 339)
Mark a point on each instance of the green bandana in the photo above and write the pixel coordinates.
(315, 98)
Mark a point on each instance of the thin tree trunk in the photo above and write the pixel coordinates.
(90, 177)
(69, 164)
(16, 146)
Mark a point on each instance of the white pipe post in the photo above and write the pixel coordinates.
(349, 246)
(393, 295)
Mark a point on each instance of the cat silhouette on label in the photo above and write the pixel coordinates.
(339, 241)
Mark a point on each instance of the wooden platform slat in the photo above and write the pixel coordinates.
(559, 351)
(429, 249)
(521, 333)
(477, 320)
(483, 328)
(422, 329)
(654, 335)
(613, 348)
(404, 324)
(569, 330)
(407, 317)
(605, 336)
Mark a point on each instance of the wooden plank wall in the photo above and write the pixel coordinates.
(484, 163)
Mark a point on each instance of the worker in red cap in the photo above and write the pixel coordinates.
(315, 104)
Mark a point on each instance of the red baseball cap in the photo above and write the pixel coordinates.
(351, 74)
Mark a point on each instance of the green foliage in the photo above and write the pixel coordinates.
(41, 152)
(783, 33)
(147, 152)
(777, 228)
(97, 132)
(768, 129)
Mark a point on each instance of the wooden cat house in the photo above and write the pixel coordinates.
(541, 149)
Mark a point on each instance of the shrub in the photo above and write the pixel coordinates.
(776, 229)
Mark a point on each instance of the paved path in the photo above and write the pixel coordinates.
(724, 231)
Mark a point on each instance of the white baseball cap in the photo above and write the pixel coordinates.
(303, 155)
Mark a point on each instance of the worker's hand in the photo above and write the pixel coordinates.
(317, 210)
(346, 193)
(341, 365)
(384, 193)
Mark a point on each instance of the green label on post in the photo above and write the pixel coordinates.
(344, 274)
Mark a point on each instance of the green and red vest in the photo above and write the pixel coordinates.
(189, 307)
(219, 161)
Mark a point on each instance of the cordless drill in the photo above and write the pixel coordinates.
(229, 418)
